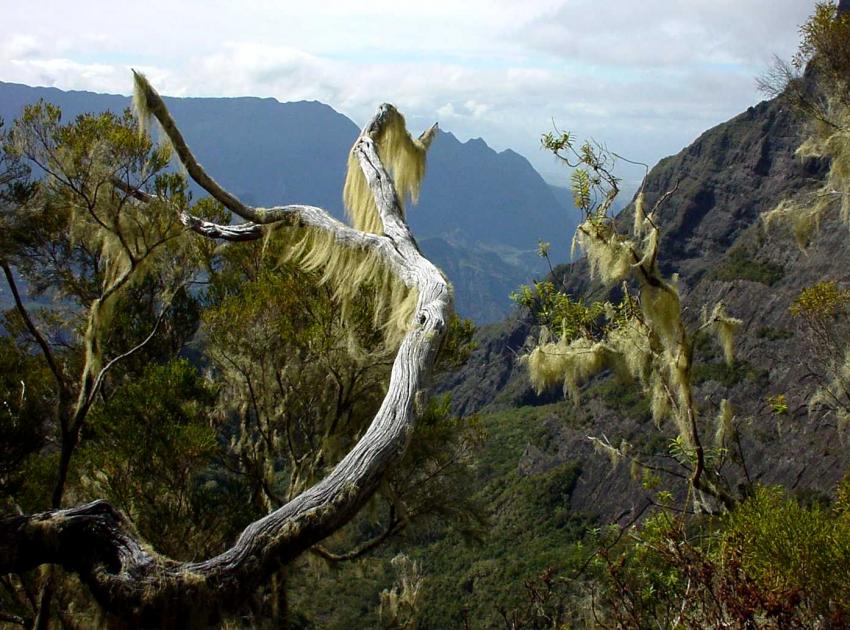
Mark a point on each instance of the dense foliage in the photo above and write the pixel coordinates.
(197, 388)
(194, 387)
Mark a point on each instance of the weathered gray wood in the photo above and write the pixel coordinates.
(95, 540)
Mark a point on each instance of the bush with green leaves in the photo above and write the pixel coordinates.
(772, 562)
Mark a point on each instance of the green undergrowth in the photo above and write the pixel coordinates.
(728, 375)
(711, 366)
(531, 529)
(774, 334)
(625, 398)
(741, 265)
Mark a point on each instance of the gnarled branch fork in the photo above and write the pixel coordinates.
(133, 582)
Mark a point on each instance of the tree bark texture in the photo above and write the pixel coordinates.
(141, 587)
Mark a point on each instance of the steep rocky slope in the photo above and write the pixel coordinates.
(712, 236)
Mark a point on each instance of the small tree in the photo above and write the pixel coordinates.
(87, 244)
(641, 337)
(81, 239)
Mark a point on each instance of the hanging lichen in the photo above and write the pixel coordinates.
(639, 217)
(649, 253)
(570, 363)
(349, 270)
(615, 455)
(662, 310)
(609, 254)
(659, 401)
(144, 116)
(344, 268)
(833, 394)
(804, 213)
(404, 158)
(725, 328)
(630, 350)
(725, 430)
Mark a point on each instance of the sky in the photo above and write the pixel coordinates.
(644, 77)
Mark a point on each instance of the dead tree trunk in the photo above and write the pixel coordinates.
(96, 542)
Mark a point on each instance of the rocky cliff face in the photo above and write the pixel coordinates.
(712, 236)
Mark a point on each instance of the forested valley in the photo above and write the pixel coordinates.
(217, 414)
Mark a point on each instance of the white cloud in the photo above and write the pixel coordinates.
(66, 74)
(646, 76)
(667, 33)
(20, 47)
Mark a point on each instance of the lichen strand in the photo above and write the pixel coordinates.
(610, 254)
(568, 363)
(725, 430)
(404, 158)
(348, 270)
(614, 454)
(144, 115)
(629, 350)
(661, 308)
(140, 102)
(833, 142)
(725, 328)
(123, 263)
(659, 402)
(640, 217)
(826, 395)
(804, 213)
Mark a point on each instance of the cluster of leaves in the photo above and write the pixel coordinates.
(772, 562)
(557, 311)
(778, 404)
(821, 302)
(825, 48)
(592, 182)
(151, 451)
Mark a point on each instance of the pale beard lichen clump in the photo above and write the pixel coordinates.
(404, 157)
(725, 431)
(804, 213)
(348, 271)
(725, 328)
(608, 253)
(569, 363)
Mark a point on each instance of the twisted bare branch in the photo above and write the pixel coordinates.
(97, 542)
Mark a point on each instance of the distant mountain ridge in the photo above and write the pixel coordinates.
(474, 201)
